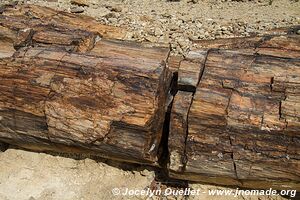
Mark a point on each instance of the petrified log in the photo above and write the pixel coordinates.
(243, 122)
(111, 106)
(65, 88)
(31, 25)
(37, 17)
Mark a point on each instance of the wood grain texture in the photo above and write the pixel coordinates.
(68, 84)
(243, 124)
(178, 129)
(190, 70)
(31, 25)
(280, 45)
(37, 16)
(113, 106)
(65, 88)
(174, 62)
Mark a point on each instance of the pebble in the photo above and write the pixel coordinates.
(112, 20)
(151, 38)
(76, 9)
(116, 9)
(158, 32)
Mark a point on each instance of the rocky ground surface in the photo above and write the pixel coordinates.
(181, 22)
(36, 176)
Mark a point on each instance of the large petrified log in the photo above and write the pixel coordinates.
(241, 126)
(111, 106)
(65, 88)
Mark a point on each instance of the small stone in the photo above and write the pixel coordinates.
(183, 43)
(111, 15)
(193, 37)
(116, 9)
(129, 35)
(151, 38)
(76, 9)
(298, 32)
(199, 25)
(173, 27)
(158, 32)
(223, 28)
(113, 20)
(220, 155)
(164, 39)
(102, 12)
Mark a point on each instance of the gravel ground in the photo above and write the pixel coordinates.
(34, 176)
(181, 22)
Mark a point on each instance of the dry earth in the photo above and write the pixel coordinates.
(36, 176)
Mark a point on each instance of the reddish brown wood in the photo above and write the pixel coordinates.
(243, 124)
(64, 88)
(67, 86)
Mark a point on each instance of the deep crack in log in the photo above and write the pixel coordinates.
(243, 122)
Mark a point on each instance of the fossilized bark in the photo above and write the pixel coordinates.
(64, 88)
(31, 25)
(243, 123)
(110, 105)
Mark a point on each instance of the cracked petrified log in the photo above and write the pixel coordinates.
(107, 105)
(65, 88)
(31, 25)
(241, 126)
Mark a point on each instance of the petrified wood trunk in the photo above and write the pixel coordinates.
(65, 88)
(112, 106)
(241, 126)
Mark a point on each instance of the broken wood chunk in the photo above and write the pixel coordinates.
(178, 129)
(104, 105)
(130, 50)
(243, 124)
(37, 16)
(41, 26)
(281, 45)
(190, 70)
(174, 62)
(229, 43)
(7, 49)
(188, 75)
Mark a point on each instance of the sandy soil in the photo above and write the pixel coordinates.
(36, 176)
